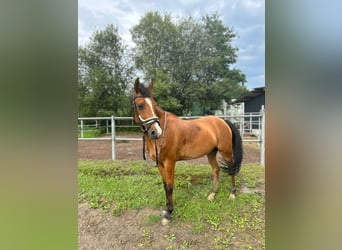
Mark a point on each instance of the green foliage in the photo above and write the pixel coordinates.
(104, 74)
(162, 90)
(189, 59)
(192, 57)
(155, 41)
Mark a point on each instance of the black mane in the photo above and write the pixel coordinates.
(144, 91)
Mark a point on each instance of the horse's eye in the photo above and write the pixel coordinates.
(141, 106)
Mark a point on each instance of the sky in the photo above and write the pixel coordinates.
(246, 17)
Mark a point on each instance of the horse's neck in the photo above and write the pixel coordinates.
(160, 112)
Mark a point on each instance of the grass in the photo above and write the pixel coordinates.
(103, 183)
(89, 133)
(122, 185)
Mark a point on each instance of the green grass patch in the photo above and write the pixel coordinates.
(89, 133)
(252, 175)
(122, 185)
(153, 219)
(118, 186)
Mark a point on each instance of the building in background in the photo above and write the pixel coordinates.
(253, 101)
(249, 107)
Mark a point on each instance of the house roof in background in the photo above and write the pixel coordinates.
(255, 92)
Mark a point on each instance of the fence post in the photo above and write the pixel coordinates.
(262, 143)
(81, 128)
(113, 137)
(242, 119)
(107, 127)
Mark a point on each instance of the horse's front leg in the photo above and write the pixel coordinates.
(169, 204)
(167, 170)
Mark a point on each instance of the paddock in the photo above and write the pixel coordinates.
(120, 203)
(251, 126)
(120, 200)
(132, 150)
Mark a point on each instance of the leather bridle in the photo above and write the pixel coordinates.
(144, 123)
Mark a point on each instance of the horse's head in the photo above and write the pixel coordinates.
(144, 110)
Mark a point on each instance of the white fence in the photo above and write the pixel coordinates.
(249, 124)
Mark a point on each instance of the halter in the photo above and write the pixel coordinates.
(144, 123)
(160, 145)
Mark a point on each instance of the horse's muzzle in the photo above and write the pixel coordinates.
(154, 132)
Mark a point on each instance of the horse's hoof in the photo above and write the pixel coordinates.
(211, 196)
(164, 212)
(232, 197)
(165, 221)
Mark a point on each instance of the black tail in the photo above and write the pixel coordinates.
(232, 168)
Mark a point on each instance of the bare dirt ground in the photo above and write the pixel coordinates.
(131, 230)
(132, 150)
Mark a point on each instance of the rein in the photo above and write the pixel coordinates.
(160, 145)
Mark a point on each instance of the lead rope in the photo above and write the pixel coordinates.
(161, 140)
(161, 143)
(157, 156)
(144, 152)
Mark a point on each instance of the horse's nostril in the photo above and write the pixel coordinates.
(153, 132)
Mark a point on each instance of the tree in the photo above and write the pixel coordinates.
(155, 41)
(193, 58)
(104, 75)
(163, 90)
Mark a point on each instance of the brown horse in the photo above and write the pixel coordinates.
(170, 139)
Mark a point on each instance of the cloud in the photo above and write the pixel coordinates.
(99, 8)
(94, 15)
(246, 17)
(253, 6)
(191, 2)
(83, 33)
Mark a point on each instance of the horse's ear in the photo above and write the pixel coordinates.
(150, 86)
(137, 85)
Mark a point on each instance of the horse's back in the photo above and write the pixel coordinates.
(213, 123)
(199, 137)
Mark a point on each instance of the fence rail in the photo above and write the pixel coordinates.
(248, 124)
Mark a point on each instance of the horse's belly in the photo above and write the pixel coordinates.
(196, 150)
(198, 139)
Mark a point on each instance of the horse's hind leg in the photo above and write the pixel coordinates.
(216, 171)
(228, 160)
(233, 189)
